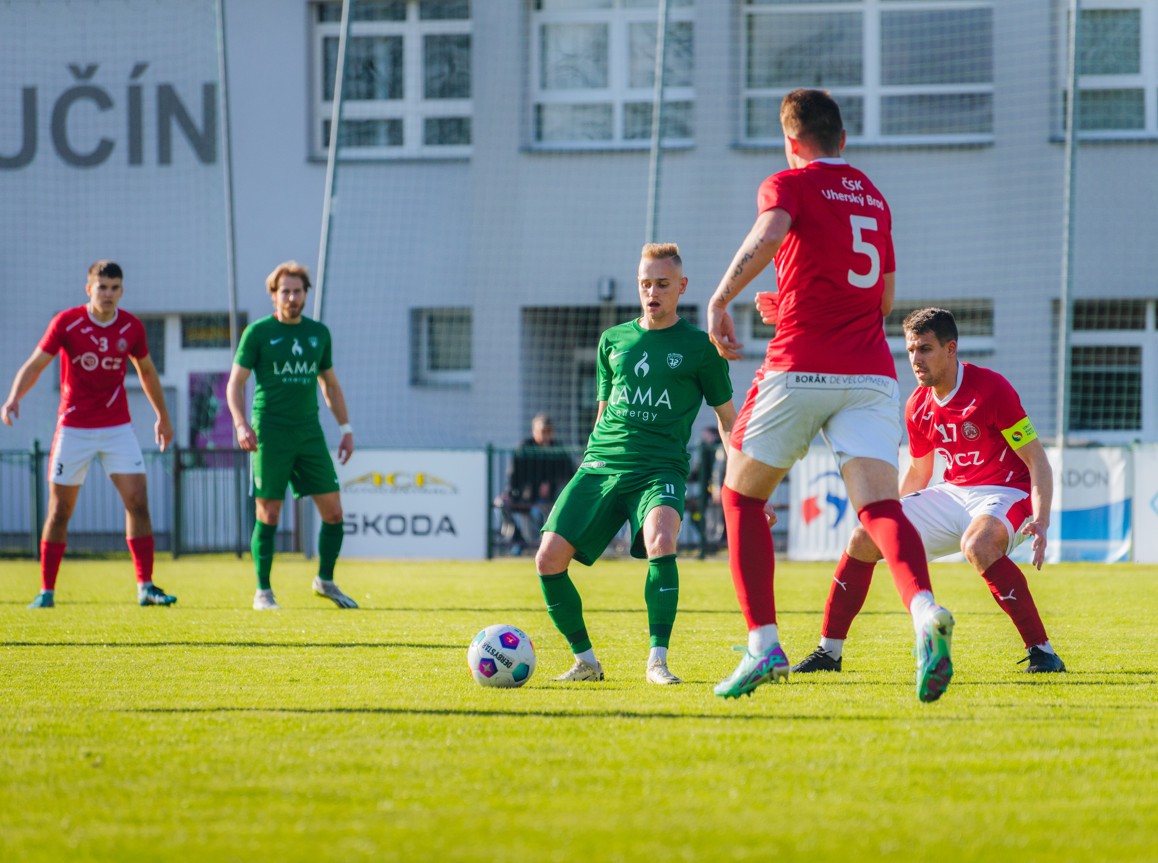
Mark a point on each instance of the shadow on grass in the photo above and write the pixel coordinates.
(230, 644)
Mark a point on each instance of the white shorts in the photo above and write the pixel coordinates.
(943, 512)
(73, 450)
(858, 415)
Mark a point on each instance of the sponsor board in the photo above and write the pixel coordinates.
(414, 503)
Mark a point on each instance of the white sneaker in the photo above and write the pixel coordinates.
(581, 671)
(658, 672)
(331, 591)
(263, 601)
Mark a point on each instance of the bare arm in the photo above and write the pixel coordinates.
(890, 293)
(725, 419)
(754, 254)
(1040, 495)
(151, 384)
(25, 379)
(235, 397)
(599, 411)
(919, 472)
(336, 402)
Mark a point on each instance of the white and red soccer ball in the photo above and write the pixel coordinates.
(501, 655)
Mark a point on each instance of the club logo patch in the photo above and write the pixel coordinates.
(674, 360)
(970, 431)
(122, 346)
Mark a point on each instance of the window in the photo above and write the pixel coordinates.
(1118, 67)
(155, 339)
(440, 346)
(593, 73)
(1113, 366)
(407, 87)
(902, 72)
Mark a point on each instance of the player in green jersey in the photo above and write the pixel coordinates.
(654, 373)
(289, 356)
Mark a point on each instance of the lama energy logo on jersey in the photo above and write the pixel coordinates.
(826, 496)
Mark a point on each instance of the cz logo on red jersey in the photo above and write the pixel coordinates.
(89, 361)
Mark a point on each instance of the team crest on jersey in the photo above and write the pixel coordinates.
(970, 431)
(674, 360)
(313, 340)
(122, 346)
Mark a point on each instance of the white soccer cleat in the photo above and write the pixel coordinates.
(582, 671)
(332, 592)
(658, 672)
(263, 601)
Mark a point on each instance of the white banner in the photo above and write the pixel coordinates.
(1146, 503)
(820, 518)
(415, 503)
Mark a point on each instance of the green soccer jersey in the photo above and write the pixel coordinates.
(654, 382)
(286, 361)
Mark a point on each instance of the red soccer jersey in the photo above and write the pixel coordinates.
(92, 369)
(830, 270)
(975, 431)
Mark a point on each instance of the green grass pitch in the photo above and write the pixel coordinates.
(208, 731)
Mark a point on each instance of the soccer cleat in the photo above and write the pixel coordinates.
(263, 601)
(153, 595)
(44, 599)
(582, 671)
(934, 667)
(819, 660)
(658, 672)
(772, 665)
(1042, 661)
(332, 592)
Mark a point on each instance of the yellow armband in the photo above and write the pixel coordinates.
(1020, 433)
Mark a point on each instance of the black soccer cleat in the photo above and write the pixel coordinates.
(1042, 662)
(819, 660)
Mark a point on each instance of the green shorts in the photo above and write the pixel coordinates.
(292, 456)
(593, 507)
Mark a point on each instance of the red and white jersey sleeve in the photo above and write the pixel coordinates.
(830, 270)
(975, 431)
(93, 361)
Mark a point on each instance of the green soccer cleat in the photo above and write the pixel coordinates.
(332, 592)
(934, 667)
(44, 599)
(153, 595)
(752, 671)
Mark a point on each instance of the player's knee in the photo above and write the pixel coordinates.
(861, 545)
(982, 550)
(552, 557)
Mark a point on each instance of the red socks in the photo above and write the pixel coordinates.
(51, 554)
(850, 587)
(751, 555)
(141, 548)
(899, 544)
(1008, 585)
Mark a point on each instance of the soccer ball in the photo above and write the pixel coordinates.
(501, 655)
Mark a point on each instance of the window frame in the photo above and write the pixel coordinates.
(1146, 79)
(422, 374)
(870, 91)
(618, 93)
(413, 109)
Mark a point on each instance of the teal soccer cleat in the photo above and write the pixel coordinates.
(153, 595)
(44, 599)
(752, 671)
(934, 667)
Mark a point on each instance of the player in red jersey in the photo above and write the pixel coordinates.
(828, 370)
(98, 341)
(997, 490)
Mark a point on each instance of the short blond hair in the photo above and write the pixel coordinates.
(287, 268)
(658, 251)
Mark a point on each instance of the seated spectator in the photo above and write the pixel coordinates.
(538, 472)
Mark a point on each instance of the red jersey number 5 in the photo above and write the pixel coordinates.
(860, 224)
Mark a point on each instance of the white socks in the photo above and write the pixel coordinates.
(832, 646)
(587, 656)
(921, 607)
(762, 639)
(657, 654)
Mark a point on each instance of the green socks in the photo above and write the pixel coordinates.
(329, 545)
(261, 544)
(662, 594)
(566, 609)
